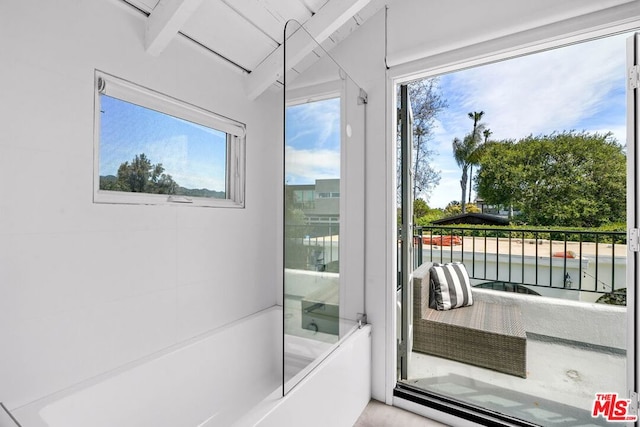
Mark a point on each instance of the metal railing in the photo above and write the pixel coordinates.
(313, 247)
(532, 257)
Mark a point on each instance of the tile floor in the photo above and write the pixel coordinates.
(377, 414)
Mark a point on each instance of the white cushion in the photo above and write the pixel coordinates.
(449, 286)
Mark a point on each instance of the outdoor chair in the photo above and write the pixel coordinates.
(483, 334)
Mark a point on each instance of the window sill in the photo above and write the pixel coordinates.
(123, 198)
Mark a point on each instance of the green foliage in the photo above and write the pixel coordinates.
(566, 179)
(472, 208)
(429, 217)
(466, 152)
(423, 214)
(453, 208)
(609, 233)
(420, 208)
(140, 176)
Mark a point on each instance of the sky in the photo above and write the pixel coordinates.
(580, 87)
(313, 142)
(194, 155)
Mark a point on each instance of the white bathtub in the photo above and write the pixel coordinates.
(231, 376)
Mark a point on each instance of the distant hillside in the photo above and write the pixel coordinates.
(106, 179)
(107, 183)
(200, 192)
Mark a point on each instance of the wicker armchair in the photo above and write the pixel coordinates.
(484, 334)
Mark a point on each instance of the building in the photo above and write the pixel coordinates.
(320, 202)
(473, 218)
(101, 293)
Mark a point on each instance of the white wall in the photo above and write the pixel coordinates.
(362, 56)
(422, 37)
(421, 29)
(84, 287)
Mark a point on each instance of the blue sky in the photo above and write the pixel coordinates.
(580, 87)
(313, 142)
(194, 155)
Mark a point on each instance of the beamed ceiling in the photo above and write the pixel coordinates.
(250, 33)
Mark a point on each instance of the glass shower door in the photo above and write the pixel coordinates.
(323, 295)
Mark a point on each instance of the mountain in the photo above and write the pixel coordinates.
(107, 182)
(200, 192)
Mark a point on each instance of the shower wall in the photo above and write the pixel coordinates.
(86, 288)
(324, 150)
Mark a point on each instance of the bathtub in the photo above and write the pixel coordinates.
(230, 377)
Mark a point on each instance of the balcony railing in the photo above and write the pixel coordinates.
(567, 335)
(567, 260)
(312, 247)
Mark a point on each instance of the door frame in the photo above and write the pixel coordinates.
(405, 343)
(468, 57)
(633, 121)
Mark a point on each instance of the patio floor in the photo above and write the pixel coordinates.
(560, 387)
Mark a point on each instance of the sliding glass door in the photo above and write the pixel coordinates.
(546, 248)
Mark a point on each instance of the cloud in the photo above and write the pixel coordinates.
(314, 124)
(541, 93)
(304, 166)
(580, 87)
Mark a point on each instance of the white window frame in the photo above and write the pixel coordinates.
(106, 84)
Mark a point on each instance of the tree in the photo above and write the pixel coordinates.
(568, 179)
(455, 208)
(432, 215)
(420, 208)
(496, 182)
(486, 133)
(426, 104)
(466, 154)
(476, 116)
(141, 176)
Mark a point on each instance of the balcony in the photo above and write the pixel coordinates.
(575, 347)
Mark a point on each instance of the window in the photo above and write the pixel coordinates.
(327, 195)
(154, 149)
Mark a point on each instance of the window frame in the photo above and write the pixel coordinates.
(123, 90)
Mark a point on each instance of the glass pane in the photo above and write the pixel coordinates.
(321, 112)
(146, 151)
(536, 213)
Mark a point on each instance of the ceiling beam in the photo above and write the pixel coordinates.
(320, 26)
(164, 22)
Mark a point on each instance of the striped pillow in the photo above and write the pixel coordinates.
(449, 286)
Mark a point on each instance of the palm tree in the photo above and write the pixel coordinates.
(487, 133)
(476, 116)
(465, 153)
(462, 150)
